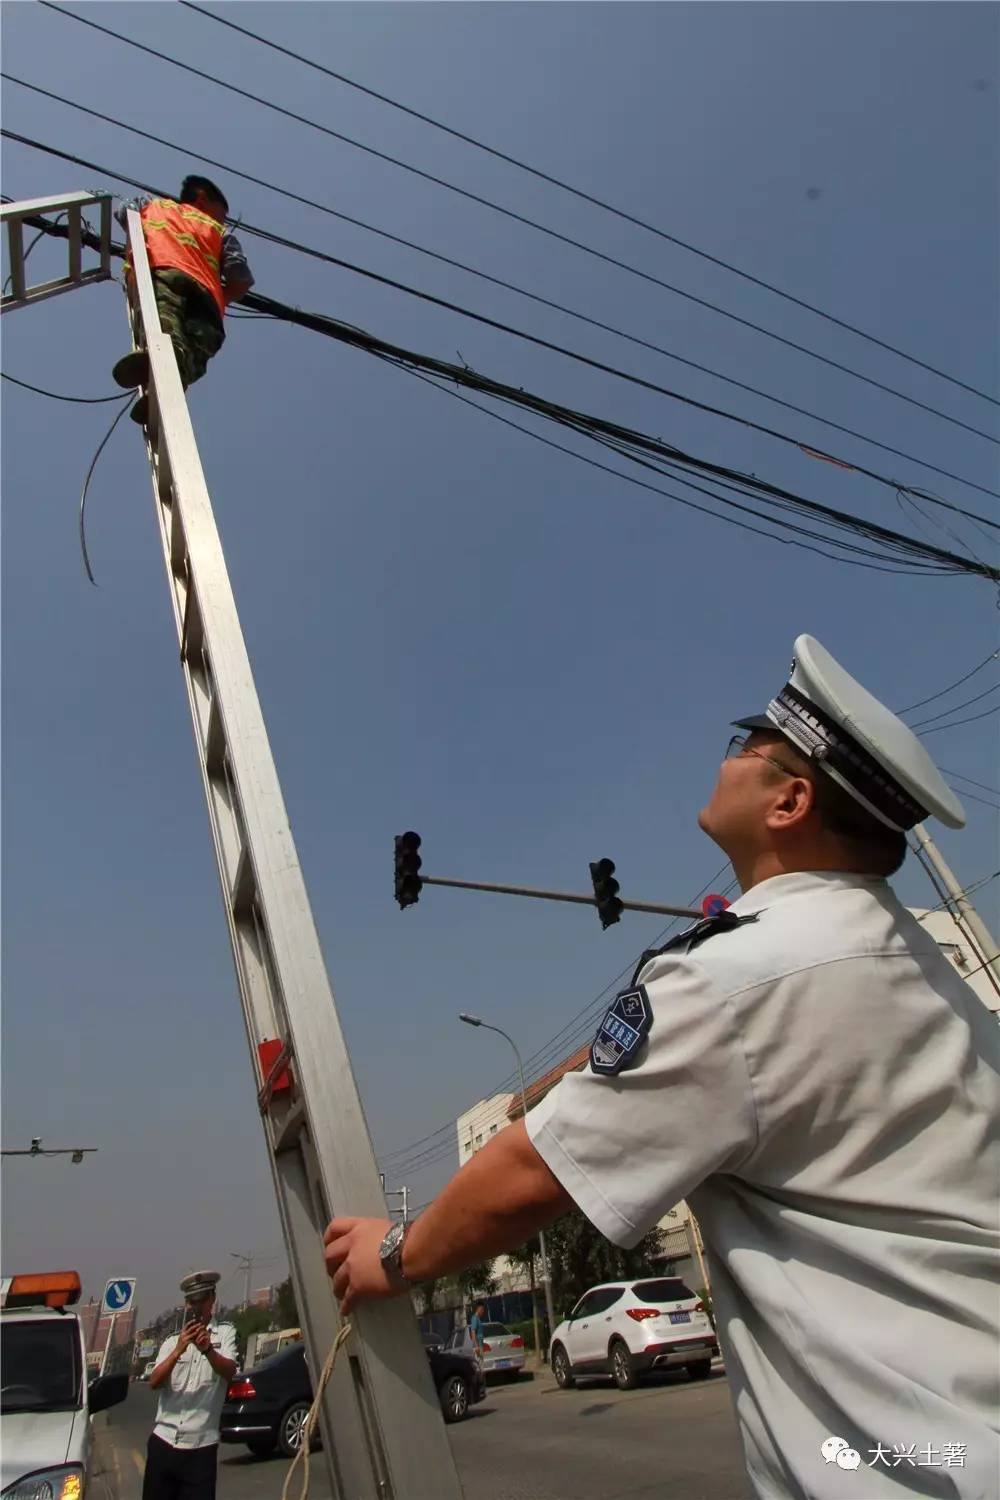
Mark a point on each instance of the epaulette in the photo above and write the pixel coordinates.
(723, 921)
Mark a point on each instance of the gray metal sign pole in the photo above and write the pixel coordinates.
(383, 1433)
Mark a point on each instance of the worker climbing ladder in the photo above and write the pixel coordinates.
(383, 1435)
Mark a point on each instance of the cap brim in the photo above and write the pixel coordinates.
(755, 721)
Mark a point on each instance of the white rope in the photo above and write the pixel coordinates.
(310, 1422)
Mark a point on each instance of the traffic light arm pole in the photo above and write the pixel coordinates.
(579, 900)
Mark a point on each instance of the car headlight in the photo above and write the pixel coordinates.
(62, 1483)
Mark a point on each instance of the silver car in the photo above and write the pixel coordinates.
(503, 1351)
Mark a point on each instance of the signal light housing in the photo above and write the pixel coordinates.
(606, 888)
(407, 869)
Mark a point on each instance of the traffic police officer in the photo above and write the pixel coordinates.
(192, 1372)
(814, 1077)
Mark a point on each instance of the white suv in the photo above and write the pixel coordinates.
(625, 1328)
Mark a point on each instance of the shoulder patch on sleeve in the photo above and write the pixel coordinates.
(625, 1026)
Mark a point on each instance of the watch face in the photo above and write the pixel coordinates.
(391, 1241)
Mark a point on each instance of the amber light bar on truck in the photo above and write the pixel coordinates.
(47, 1289)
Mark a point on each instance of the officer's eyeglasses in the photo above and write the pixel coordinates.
(738, 746)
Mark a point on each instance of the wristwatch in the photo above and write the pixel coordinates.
(390, 1253)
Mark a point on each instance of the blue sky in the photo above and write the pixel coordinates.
(453, 628)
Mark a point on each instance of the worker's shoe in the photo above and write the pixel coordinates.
(140, 411)
(132, 370)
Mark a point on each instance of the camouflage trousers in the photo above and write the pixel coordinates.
(191, 318)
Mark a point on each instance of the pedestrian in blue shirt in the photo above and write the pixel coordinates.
(476, 1324)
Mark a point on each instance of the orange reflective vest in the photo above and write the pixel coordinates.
(180, 237)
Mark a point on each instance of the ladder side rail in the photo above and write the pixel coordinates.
(256, 988)
(392, 1391)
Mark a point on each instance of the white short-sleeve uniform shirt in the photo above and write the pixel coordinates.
(191, 1402)
(824, 1090)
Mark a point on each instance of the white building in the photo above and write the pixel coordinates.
(960, 954)
(480, 1123)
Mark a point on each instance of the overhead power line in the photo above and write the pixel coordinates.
(336, 329)
(972, 719)
(993, 656)
(658, 489)
(55, 396)
(980, 784)
(520, 291)
(576, 192)
(522, 219)
(957, 707)
(634, 445)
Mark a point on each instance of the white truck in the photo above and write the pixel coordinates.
(46, 1405)
(261, 1346)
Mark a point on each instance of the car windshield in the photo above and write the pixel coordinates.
(41, 1365)
(496, 1331)
(665, 1289)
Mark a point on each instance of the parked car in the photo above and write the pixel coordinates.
(626, 1328)
(503, 1351)
(266, 1407)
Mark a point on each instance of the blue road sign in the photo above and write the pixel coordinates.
(713, 904)
(118, 1294)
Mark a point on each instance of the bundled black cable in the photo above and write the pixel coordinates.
(880, 545)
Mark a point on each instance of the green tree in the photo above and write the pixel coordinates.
(477, 1281)
(579, 1257)
(425, 1296)
(288, 1313)
(248, 1320)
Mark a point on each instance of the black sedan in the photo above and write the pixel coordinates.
(266, 1407)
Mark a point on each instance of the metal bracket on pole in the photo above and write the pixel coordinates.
(383, 1434)
(15, 215)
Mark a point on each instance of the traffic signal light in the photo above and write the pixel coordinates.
(408, 864)
(609, 908)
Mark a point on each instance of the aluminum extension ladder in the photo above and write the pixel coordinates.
(382, 1428)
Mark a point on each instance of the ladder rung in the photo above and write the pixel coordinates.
(287, 1133)
(244, 891)
(178, 546)
(193, 637)
(215, 740)
(73, 218)
(16, 247)
(164, 478)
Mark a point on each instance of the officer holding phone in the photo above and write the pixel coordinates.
(193, 1369)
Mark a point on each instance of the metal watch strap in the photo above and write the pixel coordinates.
(393, 1263)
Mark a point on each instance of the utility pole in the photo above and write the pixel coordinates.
(943, 879)
(246, 1266)
(401, 1192)
(383, 1435)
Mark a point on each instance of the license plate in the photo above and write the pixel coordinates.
(502, 1364)
(680, 1317)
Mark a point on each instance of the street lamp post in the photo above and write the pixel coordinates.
(478, 1021)
(246, 1266)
